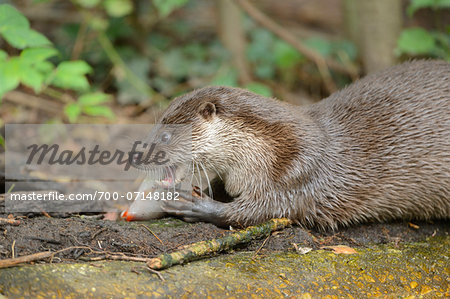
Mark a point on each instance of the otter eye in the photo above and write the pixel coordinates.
(165, 137)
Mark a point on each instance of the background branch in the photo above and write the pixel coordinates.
(312, 55)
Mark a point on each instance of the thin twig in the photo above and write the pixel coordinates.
(42, 255)
(156, 272)
(260, 247)
(98, 233)
(54, 93)
(13, 254)
(46, 214)
(147, 228)
(80, 40)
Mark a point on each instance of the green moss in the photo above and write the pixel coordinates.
(418, 269)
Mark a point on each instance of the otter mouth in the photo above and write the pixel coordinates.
(171, 176)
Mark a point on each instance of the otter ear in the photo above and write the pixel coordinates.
(207, 110)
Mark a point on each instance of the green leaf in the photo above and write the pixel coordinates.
(70, 74)
(118, 8)
(415, 41)
(434, 4)
(286, 55)
(35, 55)
(93, 99)
(165, 7)
(11, 18)
(19, 69)
(33, 79)
(36, 39)
(9, 76)
(67, 81)
(15, 29)
(72, 111)
(75, 67)
(16, 37)
(98, 111)
(259, 89)
(2, 141)
(44, 67)
(24, 37)
(3, 55)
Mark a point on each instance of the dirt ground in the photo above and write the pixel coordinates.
(88, 237)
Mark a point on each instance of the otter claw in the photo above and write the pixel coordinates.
(195, 208)
(181, 207)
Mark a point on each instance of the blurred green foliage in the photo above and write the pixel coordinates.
(89, 104)
(33, 68)
(417, 41)
(285, 61)
(148, 62)
(15, 29)
(143, 52)
(433, 4)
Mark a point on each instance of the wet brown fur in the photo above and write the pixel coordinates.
(376, 150)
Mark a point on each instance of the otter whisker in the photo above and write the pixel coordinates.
(215, 170)
(207, 178)
(192, 173)
(200, 177)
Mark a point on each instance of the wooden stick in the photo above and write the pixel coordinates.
(204, 248)
(24, 259)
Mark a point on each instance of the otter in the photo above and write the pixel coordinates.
(377, 150)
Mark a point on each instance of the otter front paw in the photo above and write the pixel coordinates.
(194, 208)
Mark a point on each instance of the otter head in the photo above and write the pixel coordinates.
(200, 122)
(163, 154)
(223, 129)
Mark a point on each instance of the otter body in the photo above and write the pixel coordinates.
(375, 151)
